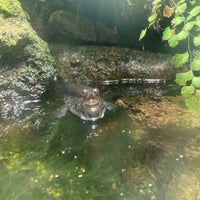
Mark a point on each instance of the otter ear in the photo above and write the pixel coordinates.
(84, 92)
(96, 91)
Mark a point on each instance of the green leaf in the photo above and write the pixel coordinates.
(156, 1)
(191, 102)
(182, 78)
(187, 91)
(189, 17)
(180, 59)
(158, 6)
(150, 24)
(152, 18)
(177, 20)
(181, 8)
(182, 35)
(143, 33)
(180, 2)
(189, 26)
(196, 82)
(195, 11)
(196, 41)
(167, 34)
(173, 41)
(196, 65)
(197, 21)
(197, 94)
(197, 107)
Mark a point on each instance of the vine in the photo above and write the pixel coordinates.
(184, 27)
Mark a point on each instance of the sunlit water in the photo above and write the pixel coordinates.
(113, 158)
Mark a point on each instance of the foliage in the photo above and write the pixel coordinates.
(184, 16)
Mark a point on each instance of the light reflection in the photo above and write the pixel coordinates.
(80, 175)
(63, 152)
(123, 170)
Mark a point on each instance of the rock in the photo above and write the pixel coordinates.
(82, 28)
(129, 20)
(106, 35)
(160, 112)
(110, 63)
(26, 64)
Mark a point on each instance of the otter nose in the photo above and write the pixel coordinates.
(91, 95)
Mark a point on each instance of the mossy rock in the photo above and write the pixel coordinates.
(26, 64)
(11, 8)
(17, 38)
(19, 43)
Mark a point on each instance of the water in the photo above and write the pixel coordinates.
(126, 155)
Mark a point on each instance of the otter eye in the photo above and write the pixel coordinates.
(96, 91)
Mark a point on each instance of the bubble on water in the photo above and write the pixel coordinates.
(150, 184)
(83, 170)
(123, 170)
(121, 194)
(56, 176)
(63, 151)
(94, 126)
(80, 175)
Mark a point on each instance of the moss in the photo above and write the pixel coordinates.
(17, 38)
(14, 24)
(11, 8)
(26, 63)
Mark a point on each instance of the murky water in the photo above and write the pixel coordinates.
(128, 155)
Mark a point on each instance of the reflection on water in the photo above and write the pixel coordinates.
(117, 157)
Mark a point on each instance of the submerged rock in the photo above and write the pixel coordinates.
(159, 112)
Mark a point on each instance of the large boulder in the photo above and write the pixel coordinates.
(26, 64)
(79, 27)
(102, 63)
(117, 16)
(128, 19)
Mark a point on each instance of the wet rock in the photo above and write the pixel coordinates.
(82, 28)
(26, 64)
(110, 63)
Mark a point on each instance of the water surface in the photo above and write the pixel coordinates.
(133, 153)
